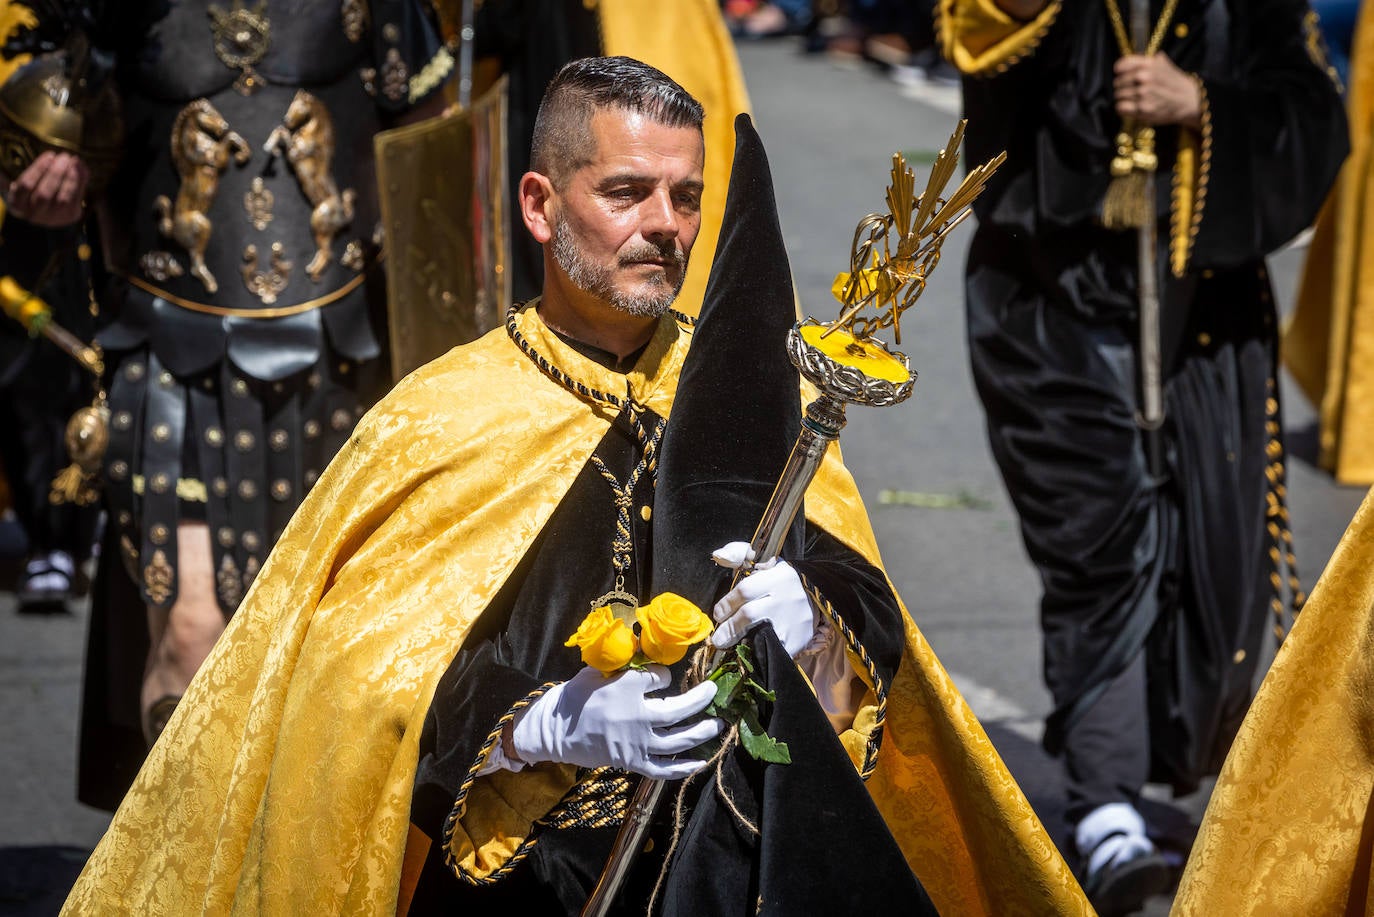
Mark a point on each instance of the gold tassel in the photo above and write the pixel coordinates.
(74, 486)
(88, 435)
(1125, 205)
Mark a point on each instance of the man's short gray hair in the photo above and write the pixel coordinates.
(562, 130)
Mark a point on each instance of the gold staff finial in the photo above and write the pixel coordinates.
(894, 252)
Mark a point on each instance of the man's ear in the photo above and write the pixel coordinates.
(536, 205)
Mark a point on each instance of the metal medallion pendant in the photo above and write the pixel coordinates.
(621, 603)
(241, 39)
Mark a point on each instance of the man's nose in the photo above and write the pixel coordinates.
(659, 218)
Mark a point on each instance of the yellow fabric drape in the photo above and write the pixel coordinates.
(688, 41)
(12, 16)
(1328, 345)
(980, 38)
(1285, 832)
(282, 784)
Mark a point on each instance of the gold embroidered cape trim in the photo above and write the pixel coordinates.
(980, 39)
(470, 875)
(869, 670)
(223, 311)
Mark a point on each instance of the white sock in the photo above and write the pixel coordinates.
(1110, 834)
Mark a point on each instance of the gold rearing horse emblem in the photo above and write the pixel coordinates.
(306, 136)
(201, 146)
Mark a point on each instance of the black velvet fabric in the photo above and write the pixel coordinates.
(517, 645)
(738, 411)
(823, 848)
(1128, 559)
(824, 842)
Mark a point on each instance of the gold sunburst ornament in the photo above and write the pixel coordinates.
(890, 260)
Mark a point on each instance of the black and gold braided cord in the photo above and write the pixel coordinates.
(553, 372)
(460, 802)
(875, 738)
(598, 800)
(622, 545)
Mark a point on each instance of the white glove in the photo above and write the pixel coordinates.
(773, 592)
(595, 721)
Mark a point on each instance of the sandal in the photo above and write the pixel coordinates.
(46, 583)
(158, 715)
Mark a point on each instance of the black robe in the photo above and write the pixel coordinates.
(1129, 561)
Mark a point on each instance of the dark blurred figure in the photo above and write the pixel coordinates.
(1159, 549)
(896, 35)
(40, 388)
(242, 318)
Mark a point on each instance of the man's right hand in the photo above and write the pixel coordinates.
(50, 192)
(594, 720)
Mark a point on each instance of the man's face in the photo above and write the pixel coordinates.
(625, 222)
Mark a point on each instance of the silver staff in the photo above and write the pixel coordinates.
(848, 365)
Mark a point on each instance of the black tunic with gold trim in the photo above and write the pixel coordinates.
(1128, 561)
(241, 234)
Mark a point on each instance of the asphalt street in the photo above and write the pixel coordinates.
(947, 531)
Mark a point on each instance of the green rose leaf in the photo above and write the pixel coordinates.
(759, 744)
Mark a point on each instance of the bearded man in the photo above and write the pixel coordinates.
(395, 721)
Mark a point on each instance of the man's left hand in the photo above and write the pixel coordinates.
(773, 593)
(1154, 91)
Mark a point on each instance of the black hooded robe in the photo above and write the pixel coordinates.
(1174, 565)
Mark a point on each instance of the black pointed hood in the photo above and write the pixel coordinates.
(737, 411)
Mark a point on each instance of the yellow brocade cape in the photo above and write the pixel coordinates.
(1288, 829)
(1329, 343)
(282, 784)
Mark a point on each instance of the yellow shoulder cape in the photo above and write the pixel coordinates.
(283, 782)
(1329, 342)
(1288, 828)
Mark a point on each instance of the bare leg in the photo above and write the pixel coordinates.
(181, 637)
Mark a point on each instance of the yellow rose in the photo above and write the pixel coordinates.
(669, 625)
(607, 643)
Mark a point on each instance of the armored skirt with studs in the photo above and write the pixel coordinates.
(222, 446)
(1181, 561)
(245, 300)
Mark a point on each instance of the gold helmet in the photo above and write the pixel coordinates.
(54, 102)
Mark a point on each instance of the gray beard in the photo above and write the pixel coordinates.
(597, 280)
